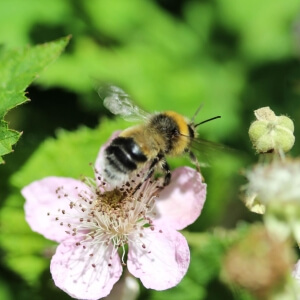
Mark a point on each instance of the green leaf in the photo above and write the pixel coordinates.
(8, 137)
(24, 251)
(188, 289)
(69, 155)
(4, 291)
(18, 68)
(264, 27)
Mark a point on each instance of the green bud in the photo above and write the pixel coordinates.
(271, 133)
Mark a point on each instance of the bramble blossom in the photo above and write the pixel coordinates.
(94, 225)
(276, 182)
(274, 190)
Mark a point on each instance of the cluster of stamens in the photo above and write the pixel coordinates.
(100, 215)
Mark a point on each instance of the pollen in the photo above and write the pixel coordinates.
(109, 217)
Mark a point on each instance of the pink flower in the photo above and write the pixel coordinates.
(93, 224)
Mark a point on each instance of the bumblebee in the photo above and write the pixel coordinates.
(159, 135)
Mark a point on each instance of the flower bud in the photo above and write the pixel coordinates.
(259, 263)
(270, 132)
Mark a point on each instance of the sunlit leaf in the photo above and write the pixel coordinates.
(18, 68)
(69, 155)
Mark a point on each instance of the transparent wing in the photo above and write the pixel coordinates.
(120, 103)
(207, 152)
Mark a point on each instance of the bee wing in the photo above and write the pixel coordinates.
(120, 103)
(208, 151)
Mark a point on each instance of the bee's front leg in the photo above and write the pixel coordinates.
(150, 172)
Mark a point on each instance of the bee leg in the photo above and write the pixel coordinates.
(150, 172)
(152, 166)
(165, 167)
(195, 161)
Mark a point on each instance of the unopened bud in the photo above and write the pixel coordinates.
(259, 263)
(270, 132)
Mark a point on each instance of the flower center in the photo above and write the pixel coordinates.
(108, 217)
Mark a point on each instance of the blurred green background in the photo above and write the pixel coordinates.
(232, 56)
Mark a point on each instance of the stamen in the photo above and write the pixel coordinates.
(100, 216)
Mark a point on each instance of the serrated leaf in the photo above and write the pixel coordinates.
(8, 138)
(18, 68)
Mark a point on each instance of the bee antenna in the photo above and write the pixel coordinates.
(217, 117)
(196, 113)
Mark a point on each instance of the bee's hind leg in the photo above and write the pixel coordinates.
(165, 167)
(195, 161)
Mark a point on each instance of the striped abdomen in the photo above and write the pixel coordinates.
(122, 157)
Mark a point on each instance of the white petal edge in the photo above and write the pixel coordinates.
(180, 203)
(42, 199)
(164, 259)
(85, 273)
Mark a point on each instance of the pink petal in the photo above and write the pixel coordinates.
(164, 260)
(42, 199)
(85, 273)
(181, 202)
